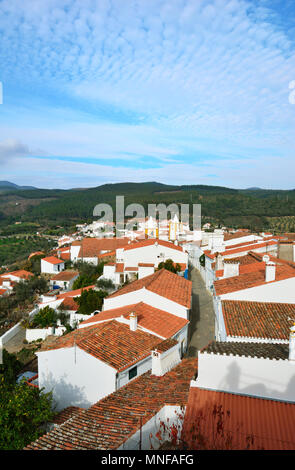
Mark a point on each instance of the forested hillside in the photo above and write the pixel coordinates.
(251, 208)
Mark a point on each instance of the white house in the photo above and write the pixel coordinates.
(152, 251)
(129, 418)
(90, 363)
(268, 282)
(64, 280)
(52, 265)
(8, 280)
(163, 289)
(149, 319)
(89, 250)
(141, 258)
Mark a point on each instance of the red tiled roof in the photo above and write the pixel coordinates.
(21, 273)
(2, 291)
(53, 260)
(153, 319)
(74, 293)
(146, 265)
(244, 268)
(150, 242)
(92, 247)
(164, 283)
(119, 267)
(111, 342)
(238, 245)
(257, 319)
(65, 276)
(233, 236)
(114, 419)
(109, 253)
(249, 247)
(252, 279)
(248, 422)
(66, 414)
(69, 304)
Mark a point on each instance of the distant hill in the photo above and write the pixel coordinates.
(248, 208)
(9, 185)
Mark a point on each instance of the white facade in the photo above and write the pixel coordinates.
(152, 254)
(65, 285)
(260, 377)
(278, 291)
(50, 268)
(77, 378)
(148, 297)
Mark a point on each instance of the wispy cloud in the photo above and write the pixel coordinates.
(184, 84)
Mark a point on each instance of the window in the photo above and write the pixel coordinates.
(132, 372)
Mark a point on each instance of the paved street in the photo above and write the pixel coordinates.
(201, 328)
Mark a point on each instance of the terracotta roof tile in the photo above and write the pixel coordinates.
(111, 342)
(52, 260)
(66, 414)
(65, 276)
(251, 279)
(92, 247)
(257, 319)
(164, 283)
(270, 423)
(110, 422)
(248, 349)
(153, 319)
(150, 242)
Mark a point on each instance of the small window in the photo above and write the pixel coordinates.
(132, 373)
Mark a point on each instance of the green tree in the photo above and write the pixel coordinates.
(90, 300)
(170, 266)
(24, 410)
(105, 284)
(46, 316)
(10, 367)
(88, 274)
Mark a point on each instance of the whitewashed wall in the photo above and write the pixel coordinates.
(32, 334)
(150, 298)
(142, 368)
(150, 254)
(76, 378)
(170, 415)
(51, 268)
(279, 291)
(266, 378)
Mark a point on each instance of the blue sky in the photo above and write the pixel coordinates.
(175, 91)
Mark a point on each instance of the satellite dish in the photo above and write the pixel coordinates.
(266, 258)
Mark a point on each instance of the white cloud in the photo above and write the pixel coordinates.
(166, 79)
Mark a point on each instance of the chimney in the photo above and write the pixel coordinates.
(231, 268)
(270, 271)
(219, 262)
(292, 343)
(133, 321)
(163, 361)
